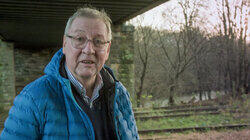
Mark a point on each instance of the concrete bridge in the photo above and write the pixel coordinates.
(32, 30)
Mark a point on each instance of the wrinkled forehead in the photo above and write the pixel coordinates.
(86, 26)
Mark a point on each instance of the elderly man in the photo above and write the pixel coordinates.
(78, 97)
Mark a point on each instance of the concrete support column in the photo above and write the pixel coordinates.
(122, 56)
(7, 74)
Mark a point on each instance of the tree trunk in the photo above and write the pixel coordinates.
(200, 95)
(171, 96)
(209, 95)
(138, 99)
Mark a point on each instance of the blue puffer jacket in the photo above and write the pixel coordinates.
(46, 109)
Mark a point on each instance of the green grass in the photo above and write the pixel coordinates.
(192, 121)
(158, 113)
(168, 135)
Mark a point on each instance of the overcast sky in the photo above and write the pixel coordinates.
(155, 19)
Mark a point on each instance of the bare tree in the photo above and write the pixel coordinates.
(186, 58)
(184, 46)
(143, 43)
(233, 31)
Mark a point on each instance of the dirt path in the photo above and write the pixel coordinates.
(211, 135)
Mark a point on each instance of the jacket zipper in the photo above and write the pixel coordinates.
(84, 114)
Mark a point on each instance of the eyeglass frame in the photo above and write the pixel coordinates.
(85, 43)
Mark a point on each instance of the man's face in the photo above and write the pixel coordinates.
(87, 62)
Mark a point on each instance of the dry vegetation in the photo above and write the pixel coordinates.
(211, 135)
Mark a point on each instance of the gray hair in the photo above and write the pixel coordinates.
(91, 12)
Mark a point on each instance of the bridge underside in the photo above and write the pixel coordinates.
(34, 24)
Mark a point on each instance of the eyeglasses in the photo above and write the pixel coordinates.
(80, 42)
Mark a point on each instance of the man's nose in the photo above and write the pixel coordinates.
(88, 48)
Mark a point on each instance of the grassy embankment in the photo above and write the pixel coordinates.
(241, 115)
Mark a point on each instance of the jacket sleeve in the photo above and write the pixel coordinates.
(22, 122)
(124, 116)
(132, 118)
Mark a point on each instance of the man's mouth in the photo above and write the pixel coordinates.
(87, 62)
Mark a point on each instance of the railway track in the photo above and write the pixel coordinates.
(176, 107)
(185, 106)
(144, 118)
(172, 130)
(205, 108)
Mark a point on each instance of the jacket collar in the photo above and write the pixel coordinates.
(53, 68)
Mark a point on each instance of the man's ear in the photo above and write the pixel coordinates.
(64, 44)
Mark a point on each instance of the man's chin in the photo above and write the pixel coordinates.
(87, 74)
